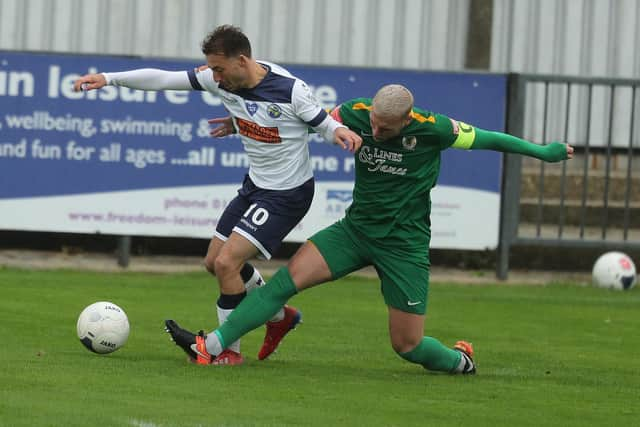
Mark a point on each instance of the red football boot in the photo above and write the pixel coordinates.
(277, 330)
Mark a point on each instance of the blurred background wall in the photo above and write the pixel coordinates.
(385, 33)
(578, 37)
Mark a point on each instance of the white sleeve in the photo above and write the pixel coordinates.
(307, 108)
(201, 78)
(327, 128)
(150, 79)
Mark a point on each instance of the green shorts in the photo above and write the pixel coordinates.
(403, 273)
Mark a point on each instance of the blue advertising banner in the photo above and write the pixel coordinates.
(124, 161)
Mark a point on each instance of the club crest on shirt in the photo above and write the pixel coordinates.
(252, 107)
(274, 111)
(409, 142)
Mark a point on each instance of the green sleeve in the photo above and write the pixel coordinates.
(498, 141)
(473, 138)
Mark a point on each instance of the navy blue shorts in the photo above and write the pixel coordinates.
(265, 217)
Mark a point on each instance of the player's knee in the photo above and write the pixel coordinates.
(210, 263)
(403, 344)
(225, 265)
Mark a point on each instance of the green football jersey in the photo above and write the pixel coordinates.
(391, 197)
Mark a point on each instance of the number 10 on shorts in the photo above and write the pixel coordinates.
(256, 216)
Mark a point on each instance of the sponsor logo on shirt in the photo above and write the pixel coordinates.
(252, 107)
(377, 160)
(274, 111)
(252, 130)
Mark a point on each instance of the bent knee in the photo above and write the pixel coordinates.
(224, 265)
(210, 263)
(405, 344)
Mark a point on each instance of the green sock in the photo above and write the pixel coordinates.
(433, 355)
(257, 307)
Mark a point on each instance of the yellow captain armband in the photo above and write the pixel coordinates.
(466, 135)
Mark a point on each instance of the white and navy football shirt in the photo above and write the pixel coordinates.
(272, 119)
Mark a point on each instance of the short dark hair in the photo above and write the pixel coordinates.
(228, 41)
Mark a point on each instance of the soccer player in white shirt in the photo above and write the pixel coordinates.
(272, 111)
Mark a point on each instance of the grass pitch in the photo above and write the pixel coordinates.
(556, 355)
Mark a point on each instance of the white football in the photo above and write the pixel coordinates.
(103, 327)
(614, 270)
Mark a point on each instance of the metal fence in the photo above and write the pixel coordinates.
(590, 201)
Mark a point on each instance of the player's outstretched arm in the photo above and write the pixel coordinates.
(143, 79)
(89, 82)
(473, 138)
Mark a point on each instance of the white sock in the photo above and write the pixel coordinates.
(254, 283)
(212, 342)
(223, 313)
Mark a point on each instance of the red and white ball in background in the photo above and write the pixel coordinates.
(614, 270)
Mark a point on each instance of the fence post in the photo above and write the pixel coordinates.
(511, 175)
(124, 251)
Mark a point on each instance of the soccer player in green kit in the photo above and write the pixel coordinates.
(387, 226)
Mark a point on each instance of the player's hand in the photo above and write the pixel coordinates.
(569, 152)
(89, 82)
(347, 139)
(225, 127)
(557, 152)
